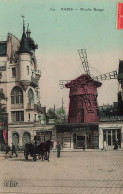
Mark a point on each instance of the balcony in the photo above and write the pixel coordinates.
(32, 106)
(38, 108)
(2, 65)
(17, 106)
(34, 82)
(111, 118)
(37, 74)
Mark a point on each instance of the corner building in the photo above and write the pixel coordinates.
(19, 82)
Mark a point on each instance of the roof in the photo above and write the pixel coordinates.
(24, 45)
(70, 126)
(83, 79)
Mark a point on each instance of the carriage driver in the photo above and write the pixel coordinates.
(37, 138)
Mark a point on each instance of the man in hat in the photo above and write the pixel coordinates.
(13, 150)
(58, 147)
(7, 149)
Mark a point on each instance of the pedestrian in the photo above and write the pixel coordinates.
(58, 147)
(83, 145)
(7, 149)
(13, 151)
(105, 146)
(116, 144)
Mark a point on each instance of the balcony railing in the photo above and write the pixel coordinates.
(17, 106)
(32, 106)
(38, 72)
(38, 108)
(111, 118)
(34, 81)
(2, 65)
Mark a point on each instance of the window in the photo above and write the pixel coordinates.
(27, 70)
(0, 75)
(35, 117)
(29, 116)
(37, 94)
(30, 96)
(16, 95)
(1, 90)
(17, 116)
(13, 72)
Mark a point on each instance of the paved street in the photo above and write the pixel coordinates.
(91, 172)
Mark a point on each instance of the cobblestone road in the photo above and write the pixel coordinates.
(89, 172)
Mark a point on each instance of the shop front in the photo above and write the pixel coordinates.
(77, 136)
(3, 130)
(110, 132)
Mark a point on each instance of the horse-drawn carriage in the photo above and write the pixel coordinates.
(41, 150)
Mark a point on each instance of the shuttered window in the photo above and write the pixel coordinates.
(17, 116)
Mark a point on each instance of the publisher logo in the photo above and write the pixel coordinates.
(10, 183)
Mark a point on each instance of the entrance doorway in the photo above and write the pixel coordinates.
(15, 139)
(80, 141)
(26, 138)
(110, 136)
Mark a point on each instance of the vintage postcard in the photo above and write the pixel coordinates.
(61, 96)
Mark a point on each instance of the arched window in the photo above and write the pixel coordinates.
(26, 138)
(16, 95)
(15, 138)
(30, 96)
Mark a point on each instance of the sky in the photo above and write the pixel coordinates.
(60, 33)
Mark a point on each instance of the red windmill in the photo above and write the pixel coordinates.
(83, 107)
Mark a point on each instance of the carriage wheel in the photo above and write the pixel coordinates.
(24, 153)
(34, 157)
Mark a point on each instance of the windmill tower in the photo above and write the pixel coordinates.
(83, 107)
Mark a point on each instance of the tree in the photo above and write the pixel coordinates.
(2, 105)
(51, 114)
(61, 115)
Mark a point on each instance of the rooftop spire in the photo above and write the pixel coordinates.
(24, 44)
(28, 32)
(23, 22)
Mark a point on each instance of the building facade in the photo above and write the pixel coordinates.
(111, 130)
(20, 84)
(75, 136)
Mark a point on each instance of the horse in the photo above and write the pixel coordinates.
(42, 150)
(48, 145)
(29, 150)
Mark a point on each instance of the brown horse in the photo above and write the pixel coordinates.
(48, 145)
(42, 150)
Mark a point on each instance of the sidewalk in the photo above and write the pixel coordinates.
(87, 150)
(77, 150)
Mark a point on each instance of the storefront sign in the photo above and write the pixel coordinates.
(66, 142)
